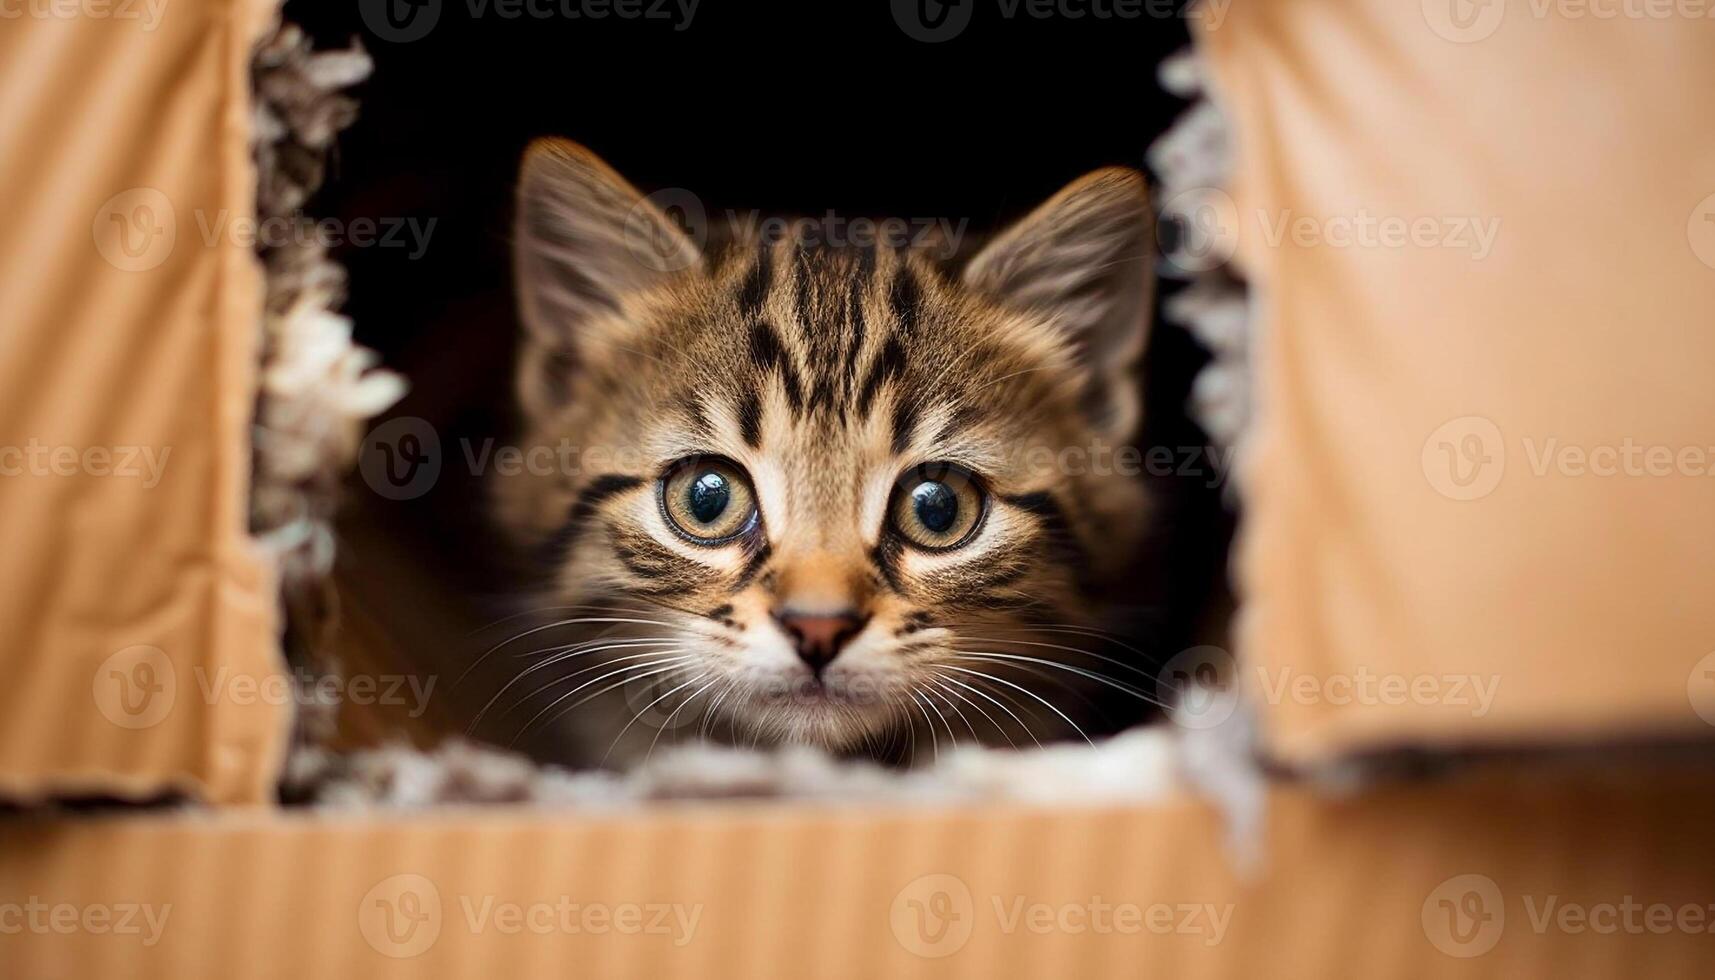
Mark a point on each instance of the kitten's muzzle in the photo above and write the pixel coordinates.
(820, 637)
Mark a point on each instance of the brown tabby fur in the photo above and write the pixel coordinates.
(826, 373)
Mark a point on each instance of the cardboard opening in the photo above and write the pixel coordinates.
(426, 581)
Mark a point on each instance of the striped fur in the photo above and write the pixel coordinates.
(826, 373)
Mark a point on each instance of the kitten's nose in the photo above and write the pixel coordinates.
(819, 637)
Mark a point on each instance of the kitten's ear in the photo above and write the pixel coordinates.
(1084, 258)
(583, 240)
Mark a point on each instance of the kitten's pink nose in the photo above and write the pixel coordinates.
(820, 637)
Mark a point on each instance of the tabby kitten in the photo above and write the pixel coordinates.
(824, 495)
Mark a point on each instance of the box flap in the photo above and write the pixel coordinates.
(1481, 498)
(138, 621)
(1541, 877)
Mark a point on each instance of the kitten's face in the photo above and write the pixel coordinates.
(833, 484)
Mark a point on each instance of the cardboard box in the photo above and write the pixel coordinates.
(1581, 595)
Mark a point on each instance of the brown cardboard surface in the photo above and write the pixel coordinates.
(1440, 492)
(1537, 878)
(131, 597)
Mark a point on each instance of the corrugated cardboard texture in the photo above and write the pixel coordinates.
(132, 606)
(1486, 427)
(1540, 880)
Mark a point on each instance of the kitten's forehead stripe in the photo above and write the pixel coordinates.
(769, 355)
(905, 296)
(855, 325)
(905, 408)
(890, 363)
(750, 418)
(696, 419)
(753, 291)
(804, 291)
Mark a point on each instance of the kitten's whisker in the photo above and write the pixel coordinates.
(985, 696)
(714, 716)
(655, 658)
(988, 718)
(1005, 377)
(868, 741)
(934, 740)
(1014, 702)
(709, 713)
(951, 738)
(1057, 646)
(548, 626)
(1028, 693)
(561, 658)
(992, 656)
(1070, 628)
(911, 733)
(962, 716)
(538, 610)
(1069, 687)
(673, 665)
(568, 650)
(675, 712)
(645, 710)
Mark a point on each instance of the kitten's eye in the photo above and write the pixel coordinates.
(938, 506)
(708, 500)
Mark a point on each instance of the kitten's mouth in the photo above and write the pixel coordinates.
(817, 693)
(833, 712)
(840, 690)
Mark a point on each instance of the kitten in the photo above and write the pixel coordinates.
(823, 495)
